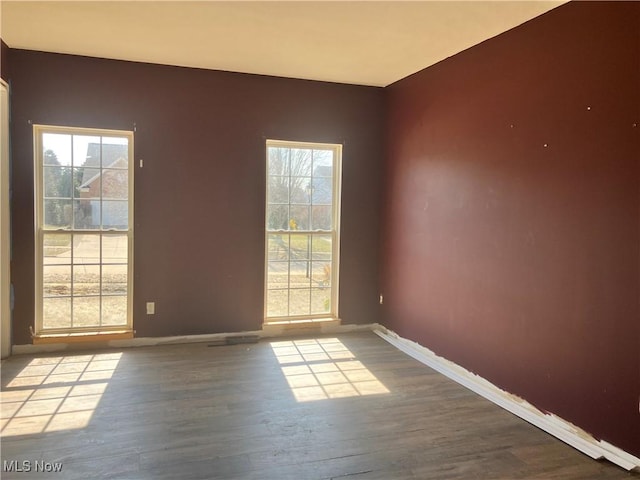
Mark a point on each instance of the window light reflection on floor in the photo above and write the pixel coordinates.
(55, 393)
(320, 369)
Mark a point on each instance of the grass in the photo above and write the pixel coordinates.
(58, 240)
(300, 241)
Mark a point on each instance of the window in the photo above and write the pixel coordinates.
(302, 230)
(84, 229)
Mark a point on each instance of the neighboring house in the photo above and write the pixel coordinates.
(104, 183)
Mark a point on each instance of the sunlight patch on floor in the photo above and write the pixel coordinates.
(320, 369)
(55, 393)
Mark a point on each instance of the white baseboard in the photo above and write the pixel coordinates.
(552, 424)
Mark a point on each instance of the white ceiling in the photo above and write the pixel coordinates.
(360, 42)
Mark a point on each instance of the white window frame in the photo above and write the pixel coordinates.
(333, 314)
(5, 238)
(38, 131)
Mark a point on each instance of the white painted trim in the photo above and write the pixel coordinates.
(5, 228)
(39, 231)
(552, 424)
(152, 341)
(334, 232)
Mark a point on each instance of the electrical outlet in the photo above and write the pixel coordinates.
(151, 308)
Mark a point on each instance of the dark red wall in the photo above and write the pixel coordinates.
(512, 221)
(199, 200)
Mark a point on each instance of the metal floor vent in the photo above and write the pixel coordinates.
(235, 340)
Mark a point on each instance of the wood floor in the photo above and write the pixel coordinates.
(346, 407)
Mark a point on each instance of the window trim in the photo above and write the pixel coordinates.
(38, 131)
(5, 215)
(333, 314)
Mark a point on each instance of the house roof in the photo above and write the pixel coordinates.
(109, 155)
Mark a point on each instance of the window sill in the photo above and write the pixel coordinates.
(106, 336)
(300, 326)
(303, 321)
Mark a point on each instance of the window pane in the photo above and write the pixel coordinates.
(115, 249)
(86, 151)
(322, 163)
(86, 311)
(278, 217)
(86, 248)
(321, 247)
(277, 303)
(322, 191)
(58, 182)
(86, 214)
(300, 246)
(56, 149)
(86, 280)
(115, 214)
(300, 162)
(299, 301)
(115, 152)
(57, 214)
(300, 274)
(114, 279)
(56, 249)
(278, 275)
(320, 300)
(321, 274)
(114, 310)
(278, 161)
(300, 188)
(278, 247)
(56, 280)
(299, 218)
(278, 190)
(87, 183)
(321, 217)
(115, 184)
(56, 312)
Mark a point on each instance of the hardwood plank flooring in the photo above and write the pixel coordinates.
(343, 407)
